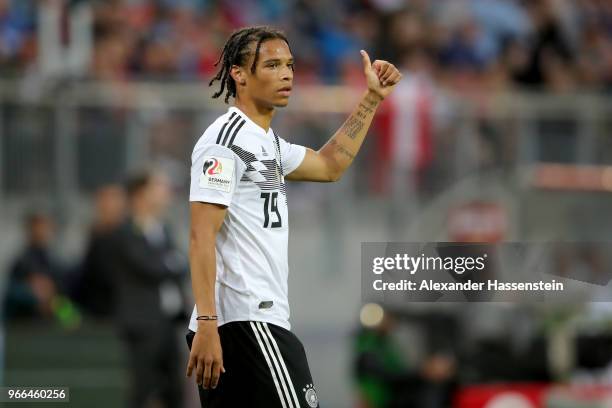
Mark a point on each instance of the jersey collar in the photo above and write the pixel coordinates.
(245, 117)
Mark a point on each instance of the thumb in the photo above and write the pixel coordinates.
(366, 60)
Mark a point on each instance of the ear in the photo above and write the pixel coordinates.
(238, 75)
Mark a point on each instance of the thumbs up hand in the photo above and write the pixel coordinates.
(382, 76)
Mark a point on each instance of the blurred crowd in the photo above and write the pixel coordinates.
(131, 275)
(558, 44)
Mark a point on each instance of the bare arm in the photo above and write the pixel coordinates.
(332, 160)
(206, 354)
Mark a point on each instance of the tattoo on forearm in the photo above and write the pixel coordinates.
(373, 100)
(342, 150)
(363, 106)
(352, 127)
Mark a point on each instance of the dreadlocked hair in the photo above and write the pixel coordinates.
(236, 52)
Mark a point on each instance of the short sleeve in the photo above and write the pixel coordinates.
(215, 173)
(292, 155)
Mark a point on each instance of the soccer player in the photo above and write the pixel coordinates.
(243, 353)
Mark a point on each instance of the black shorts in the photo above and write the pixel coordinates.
(265, 366)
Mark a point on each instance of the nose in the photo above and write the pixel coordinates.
(286, 74)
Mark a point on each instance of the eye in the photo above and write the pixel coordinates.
(291, 65)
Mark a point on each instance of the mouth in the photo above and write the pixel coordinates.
(286, 91)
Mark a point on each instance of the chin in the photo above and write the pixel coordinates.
(282, 103)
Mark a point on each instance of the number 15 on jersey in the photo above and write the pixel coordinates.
(271, 208)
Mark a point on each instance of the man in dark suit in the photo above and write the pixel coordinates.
(94, 289)
(148, 275)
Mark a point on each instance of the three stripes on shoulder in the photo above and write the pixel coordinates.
(224, 138)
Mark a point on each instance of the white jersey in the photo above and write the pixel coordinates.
(238, 164)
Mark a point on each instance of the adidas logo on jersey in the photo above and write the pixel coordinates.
(263, 151)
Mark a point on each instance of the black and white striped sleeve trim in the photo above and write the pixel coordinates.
(227, 135)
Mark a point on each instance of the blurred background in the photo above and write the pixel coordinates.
(501, 131)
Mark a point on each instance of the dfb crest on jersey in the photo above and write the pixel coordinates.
(311, 396)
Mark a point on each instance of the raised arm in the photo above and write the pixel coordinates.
(332, 160)
(206, 354)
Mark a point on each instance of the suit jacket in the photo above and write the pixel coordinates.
(141, 269)
(94, 291)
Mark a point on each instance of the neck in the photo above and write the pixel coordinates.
(262, 116)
